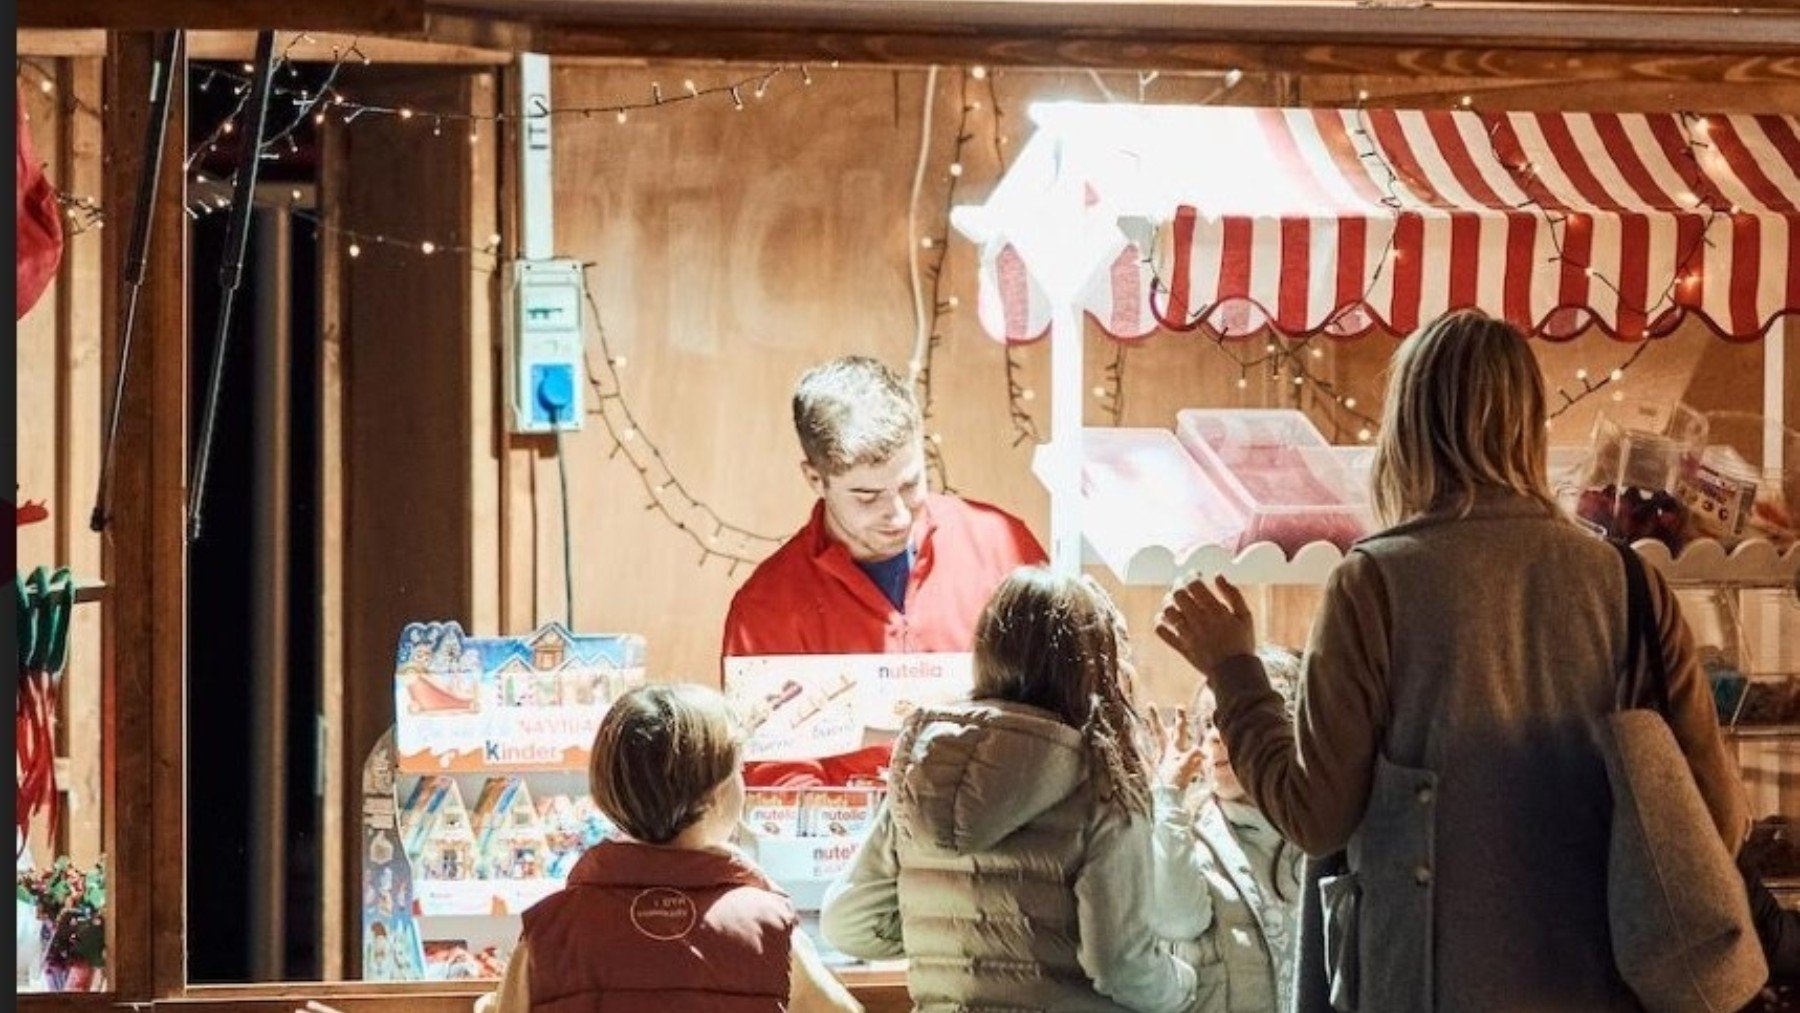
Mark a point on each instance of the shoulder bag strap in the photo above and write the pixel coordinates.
(1643, 682)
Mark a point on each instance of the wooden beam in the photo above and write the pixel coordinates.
(396, 16)
(144, 691)
(341, 907)
(81, 412)
(1279, 21)
(1065, 41)
(300, 47)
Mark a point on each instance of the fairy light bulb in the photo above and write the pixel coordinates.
(978, 72)
(628, 434)
(428, 247)
(1363, 434)
(1242, 383)
(355, 250)
(956, 169)
(689, 85)
(1028, 395)
(618, 362)
(406, 114)
(622, 116)
(1616, 375)
(1100, 392)
(1582, 375)
(927, 243)
(46, 87)
(1349, 402)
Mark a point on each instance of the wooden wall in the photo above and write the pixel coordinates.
(732, 250)
(59, 415)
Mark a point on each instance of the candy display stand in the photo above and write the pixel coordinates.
(813, 713)
(476, 803)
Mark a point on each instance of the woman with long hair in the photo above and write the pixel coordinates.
(1011, 864)
(1458, 660)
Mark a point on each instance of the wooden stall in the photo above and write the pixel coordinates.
(727, 251)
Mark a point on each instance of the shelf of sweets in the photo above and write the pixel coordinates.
(1153, 516)
(435, 898)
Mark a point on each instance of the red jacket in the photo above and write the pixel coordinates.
(641, 927)
(810, 597)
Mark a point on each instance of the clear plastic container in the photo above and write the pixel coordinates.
(1142, 489)
(1288, 484)
(1640, 449)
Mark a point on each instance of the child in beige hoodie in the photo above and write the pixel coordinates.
(1227, 884)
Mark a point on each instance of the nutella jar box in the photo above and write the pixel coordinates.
(838, 812)
(774, 812)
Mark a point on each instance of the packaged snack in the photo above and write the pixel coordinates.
(1719, 490)
(837, 812)
(436, 830)
(774, 812)
(508, 835)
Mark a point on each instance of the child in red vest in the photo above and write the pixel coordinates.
(672, 917)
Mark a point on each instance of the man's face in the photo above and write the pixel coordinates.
(871, 508)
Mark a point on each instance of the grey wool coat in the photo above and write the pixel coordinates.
(1443, 744)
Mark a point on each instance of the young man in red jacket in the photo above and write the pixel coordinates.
(883, 566)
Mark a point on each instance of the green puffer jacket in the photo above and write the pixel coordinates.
(1001, 878)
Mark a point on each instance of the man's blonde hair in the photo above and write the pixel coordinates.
(853, 411)
(1464, 413)
(659, 753)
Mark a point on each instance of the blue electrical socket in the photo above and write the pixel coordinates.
(553, 394)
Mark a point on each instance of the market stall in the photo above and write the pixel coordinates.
(432, 307)
(1328, 224)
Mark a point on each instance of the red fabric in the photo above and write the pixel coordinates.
(38, 225)
(826, 772)
(30, 512)
(810, 597)
(643, 927)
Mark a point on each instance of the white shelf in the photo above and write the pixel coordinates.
(435, 898)
(1127, 552)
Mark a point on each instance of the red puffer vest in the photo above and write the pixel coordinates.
(641, 927)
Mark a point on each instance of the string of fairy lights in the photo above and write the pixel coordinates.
(666, 494)
(209, 195)
(1293, 359)
(939, 306)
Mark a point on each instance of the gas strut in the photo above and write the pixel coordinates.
(156, 129)
(237, 242)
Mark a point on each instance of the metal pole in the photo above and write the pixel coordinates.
(1066, 406)
(269, 608)
(156, 129)
(231, 271)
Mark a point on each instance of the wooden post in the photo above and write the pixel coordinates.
(79, 404)
(144, 690)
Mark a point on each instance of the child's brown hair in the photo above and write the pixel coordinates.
(659, 753)
(1058, 643)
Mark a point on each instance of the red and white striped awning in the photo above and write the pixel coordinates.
(1337, 221)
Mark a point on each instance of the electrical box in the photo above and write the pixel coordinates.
(547, 368)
